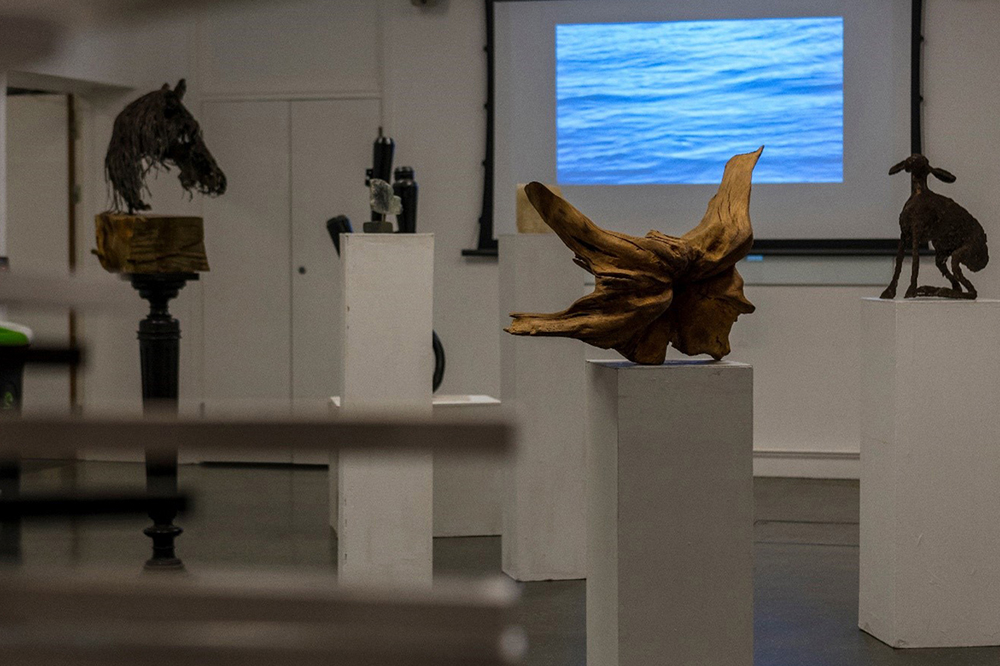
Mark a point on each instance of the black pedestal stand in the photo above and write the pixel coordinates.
(10, 525)
(159, 348)
(12, 362)
(11, 379)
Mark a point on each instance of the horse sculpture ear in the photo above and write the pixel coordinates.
(942, 175)
(898, 167)
(181, 88)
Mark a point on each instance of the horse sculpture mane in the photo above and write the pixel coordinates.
(157, 132)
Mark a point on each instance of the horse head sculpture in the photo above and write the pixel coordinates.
(157, 132)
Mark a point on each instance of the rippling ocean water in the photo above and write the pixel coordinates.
(642, 103)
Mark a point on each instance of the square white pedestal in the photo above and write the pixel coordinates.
(468, 487)
(384, 507)
(670, 514)
(930, 472)
(542, 388)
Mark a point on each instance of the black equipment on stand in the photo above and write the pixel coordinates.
(382, 154)
(377, 180)
(336, 226)
(405, 188)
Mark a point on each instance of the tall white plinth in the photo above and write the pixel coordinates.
(670, 576)
(384, 512)
(467, 486)
(542, 389)
(930, 472)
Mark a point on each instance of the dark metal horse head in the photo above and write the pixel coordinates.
(156, 131)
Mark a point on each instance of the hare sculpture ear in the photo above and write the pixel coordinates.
(943, 175)
(899, 167)
(181, 88)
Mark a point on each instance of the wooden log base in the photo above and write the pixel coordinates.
(150, 243)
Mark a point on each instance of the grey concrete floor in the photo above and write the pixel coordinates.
(806, 547)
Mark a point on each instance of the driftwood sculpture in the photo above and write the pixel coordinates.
(657, 290)
(157, 132)
(949, 228)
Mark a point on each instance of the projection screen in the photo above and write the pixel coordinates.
(633, 107)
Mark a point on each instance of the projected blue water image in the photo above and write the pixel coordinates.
(665, 103)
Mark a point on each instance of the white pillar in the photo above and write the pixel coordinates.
(542, 388)
(384, 509)
(468, 487)
(670, 577)
(930, 472)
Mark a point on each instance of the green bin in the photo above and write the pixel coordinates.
(14, 342)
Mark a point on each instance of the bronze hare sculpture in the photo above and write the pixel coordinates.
(949, 228)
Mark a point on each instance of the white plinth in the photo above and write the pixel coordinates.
(930, 472)
(384, 512)
(671, 514)
(542, 389)
(467, 486)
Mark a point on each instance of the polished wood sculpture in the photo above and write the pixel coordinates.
(929, 217)
(656, 290)
(528, 219)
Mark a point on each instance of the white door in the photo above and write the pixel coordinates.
(247, 293)
(331, 148)
(38, 227)
(271, 310)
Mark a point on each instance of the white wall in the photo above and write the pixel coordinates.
(38, 197)
(292, 49)
(121, 55)
(105, 65)
(962, 92)
(803, 344)
(3, 170)
(802, 340)
(435, 80)
(429, 67)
